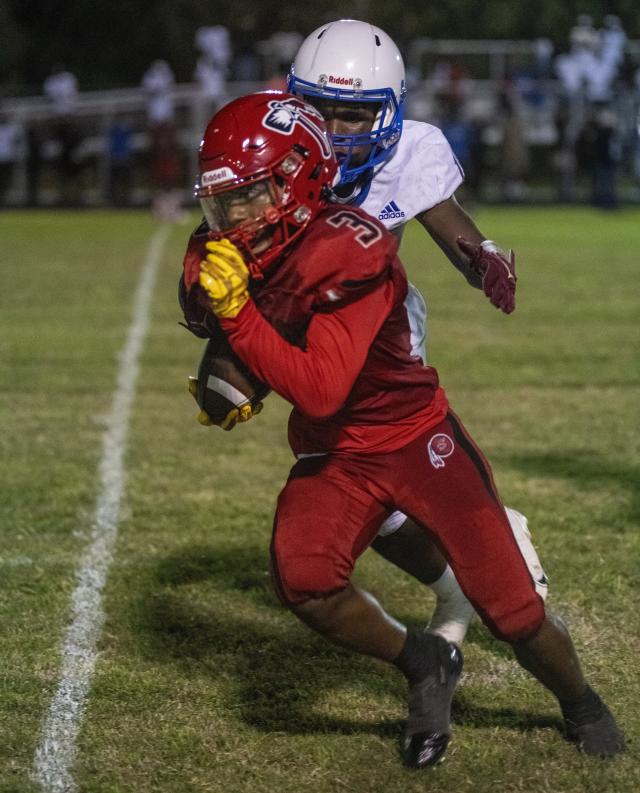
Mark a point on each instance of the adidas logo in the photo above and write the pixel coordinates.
(391, 211)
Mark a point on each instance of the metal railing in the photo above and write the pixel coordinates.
(97, 110)
(94, 112)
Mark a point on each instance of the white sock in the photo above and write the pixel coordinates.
(453, 612)
(447, 585)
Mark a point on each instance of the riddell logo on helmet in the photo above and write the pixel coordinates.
(215, 177)
(354, 82)
(340, 80)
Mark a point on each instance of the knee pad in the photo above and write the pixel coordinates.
(519, 624)
(300, 578)
(520, 529)
(512, 602)
(299, 573)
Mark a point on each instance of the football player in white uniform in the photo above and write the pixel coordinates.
(399, 170)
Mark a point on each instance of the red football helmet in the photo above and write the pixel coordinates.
(269, 150)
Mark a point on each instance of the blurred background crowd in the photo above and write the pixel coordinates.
(105, 105)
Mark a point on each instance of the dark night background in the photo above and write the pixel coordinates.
(110, 43)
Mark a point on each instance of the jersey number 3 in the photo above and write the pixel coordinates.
(366, 233)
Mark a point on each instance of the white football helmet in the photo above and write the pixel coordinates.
(354, 61)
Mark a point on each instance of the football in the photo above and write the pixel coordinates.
(223, 381)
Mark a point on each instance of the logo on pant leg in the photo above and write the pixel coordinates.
(440, 446)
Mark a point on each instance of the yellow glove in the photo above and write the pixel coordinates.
(239, 415)
(224, 277)
(233, 417)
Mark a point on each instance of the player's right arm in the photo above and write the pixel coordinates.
(481, 262)
(317, 379)
(447, 221)
(342, 274)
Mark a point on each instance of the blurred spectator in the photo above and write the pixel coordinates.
(158, 83)
(530, 81)
(164, 152)
(11, 133)
(635, 151)
(514, 160)
(564, 157)
(120, 161)
(278, 52)
(464, 137)
(613, 40)
(61, 88)
(276, 82)
(577, 66)
(246, 66)
(35, 142)
(599, 153)
(591, 66)
(213, 65)
(165, 172)
(588, 74)
(543, 58)
(451, 79)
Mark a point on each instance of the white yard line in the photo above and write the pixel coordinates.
(56, 751)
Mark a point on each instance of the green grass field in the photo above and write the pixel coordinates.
(203, 683)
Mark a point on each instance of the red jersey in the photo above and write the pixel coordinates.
(328, 330)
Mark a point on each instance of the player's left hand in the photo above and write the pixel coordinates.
(240, 415)
(497, 270)
(237, 415)
(225, 277)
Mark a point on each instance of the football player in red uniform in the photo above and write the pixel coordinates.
(311, 297)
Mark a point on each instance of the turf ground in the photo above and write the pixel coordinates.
(203, 682)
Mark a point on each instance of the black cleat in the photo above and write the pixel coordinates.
(427, 731)
(600, 738)
(424, 749)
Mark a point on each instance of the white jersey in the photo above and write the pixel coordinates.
(421, 172)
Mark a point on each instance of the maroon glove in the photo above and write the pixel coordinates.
(498, 272)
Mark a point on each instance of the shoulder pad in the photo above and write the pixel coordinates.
(345, 254)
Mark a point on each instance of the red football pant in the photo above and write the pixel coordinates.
(332, 506)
